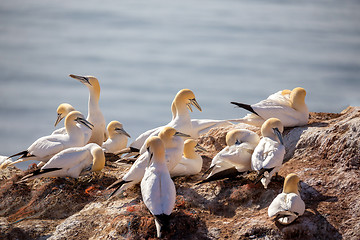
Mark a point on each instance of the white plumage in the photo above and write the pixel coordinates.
(288, 205)
(268, 155)
(235, 157)
(174, 147)
(46, 147)
(157, 189)
(72, 162)
(191, 162)
(95, 116)
(290, 108)
(118, 138)
(62, 111)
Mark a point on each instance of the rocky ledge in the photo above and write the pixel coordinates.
(324, 154)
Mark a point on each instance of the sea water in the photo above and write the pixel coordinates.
(144, 52)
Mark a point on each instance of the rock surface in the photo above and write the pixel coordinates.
(324, 154)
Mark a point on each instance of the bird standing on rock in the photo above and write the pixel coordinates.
(95, 116)
(290, 108)
(268, 155)
(157, 189)
(288, 205)
(174, 147)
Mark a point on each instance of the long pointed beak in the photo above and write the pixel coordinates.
(85, 122)
(278, 134)
(180, 134)
(189, 107)
(58, 119)
(196, 104)
(122, 131)
(200, 148)
(82, 79)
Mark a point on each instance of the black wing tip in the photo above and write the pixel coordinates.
(133, 149)
(228, 173)
(39, 172)
(245, 106)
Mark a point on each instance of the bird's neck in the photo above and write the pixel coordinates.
(180, 109)
(93, 103)
(191, 154)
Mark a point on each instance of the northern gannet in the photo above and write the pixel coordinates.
(174, 147)
(118, 138)
(157, 189)
(99, 133)
(288, 205)
(191, 162)
(71, 162)
(62, 111)
(46, 147)
(181, 122)
(268, 155)
(235, 158)
(290, 108)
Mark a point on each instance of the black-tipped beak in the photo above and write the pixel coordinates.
(200, 148)
(180, 134)
(82, 79)
(84, 122)
(58, 119)
(122, 131)
(278, 134)
(196, 104)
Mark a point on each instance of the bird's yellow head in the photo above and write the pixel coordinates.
(186, 96)
(62, 111)
(273, 128)
(291, 184)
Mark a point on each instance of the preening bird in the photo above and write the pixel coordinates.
(268, 155)
(118, 138)
(235, 158)
(46, 147)
(72, 162)
(288, 205)
(157, 189)
(95, 116)
(290, 108)
(191, 162)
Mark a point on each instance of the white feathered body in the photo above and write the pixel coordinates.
(268, 154)
(158, 190)
(287, 207)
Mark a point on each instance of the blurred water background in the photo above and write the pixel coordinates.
(144, 52)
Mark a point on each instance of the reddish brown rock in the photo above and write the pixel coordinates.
(324, 154)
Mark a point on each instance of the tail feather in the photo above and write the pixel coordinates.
(228, 173)
(162, 222)
(245, 106)
(117, 185)
(39, 173)
(261, 174)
